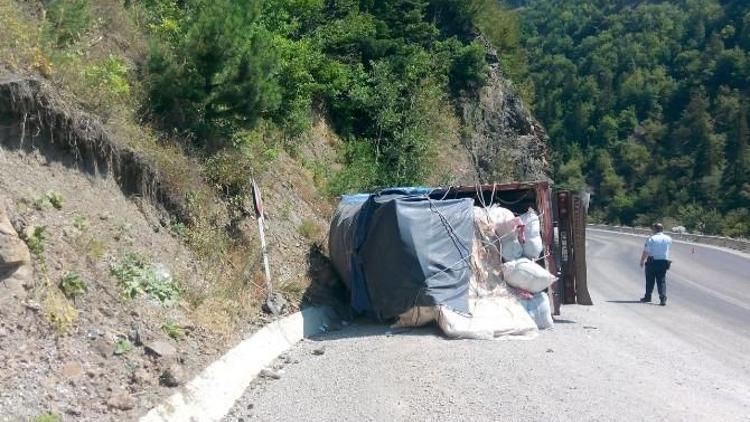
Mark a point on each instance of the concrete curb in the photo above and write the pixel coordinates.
(210, 395)
(724, 242)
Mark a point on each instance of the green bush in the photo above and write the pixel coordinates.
(35, 240)
(56, 199)
(173, 330)
(469, 69)
(110, 79)
(137, 277)
(51, 199)
(737, 224)
(375, 68)
(72, 285)
(179, 228)
(122, 346)
(699, 219)
(80, 222)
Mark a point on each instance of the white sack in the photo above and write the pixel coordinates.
(491, 318)
(527, 275)
(533, 247)
(539, 310)
(511, 247)
(504, 220)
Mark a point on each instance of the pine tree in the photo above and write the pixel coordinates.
(221, 72)
(696, 137)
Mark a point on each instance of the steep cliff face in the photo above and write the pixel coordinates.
(504, 141)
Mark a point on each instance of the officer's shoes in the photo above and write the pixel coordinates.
(663, 302)
(645, 299)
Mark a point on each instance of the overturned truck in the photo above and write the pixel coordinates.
(489, 261)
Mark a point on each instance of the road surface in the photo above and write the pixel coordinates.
(617, 360)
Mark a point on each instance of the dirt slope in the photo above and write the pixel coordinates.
(101, 355)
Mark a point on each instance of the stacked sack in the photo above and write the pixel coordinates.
(518, 240)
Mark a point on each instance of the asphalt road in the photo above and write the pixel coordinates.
(616, 360)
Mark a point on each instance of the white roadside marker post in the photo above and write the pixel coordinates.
(258, 204)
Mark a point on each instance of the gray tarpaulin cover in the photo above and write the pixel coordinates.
(398, 248)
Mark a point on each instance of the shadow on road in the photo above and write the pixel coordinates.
(362, 327)
(632, 301)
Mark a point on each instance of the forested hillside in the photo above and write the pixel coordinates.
(647, 104)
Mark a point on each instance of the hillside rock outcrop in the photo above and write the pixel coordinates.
(16, 270)
(504, 141)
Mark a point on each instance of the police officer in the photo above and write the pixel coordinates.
(655, 256)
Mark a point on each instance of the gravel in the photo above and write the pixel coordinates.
(617, 360)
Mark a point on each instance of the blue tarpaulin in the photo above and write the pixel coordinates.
(400, 248)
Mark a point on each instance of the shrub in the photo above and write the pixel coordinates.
(51, 199)
(72, 285)
(229, 169)
(737, 223)
(137, 277)
(697, 218)
(173, 330)
(179, 228)
(110, 79)
(122, 346)
(55, 199)
(469, 69)
(80, 222)
(35, 240)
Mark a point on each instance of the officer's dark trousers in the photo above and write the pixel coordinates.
(656, 271)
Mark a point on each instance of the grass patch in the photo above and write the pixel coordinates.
(93, 248)
(67, 21)
(58, 311)
(17, 43)
(47, 417)
(308, 229)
